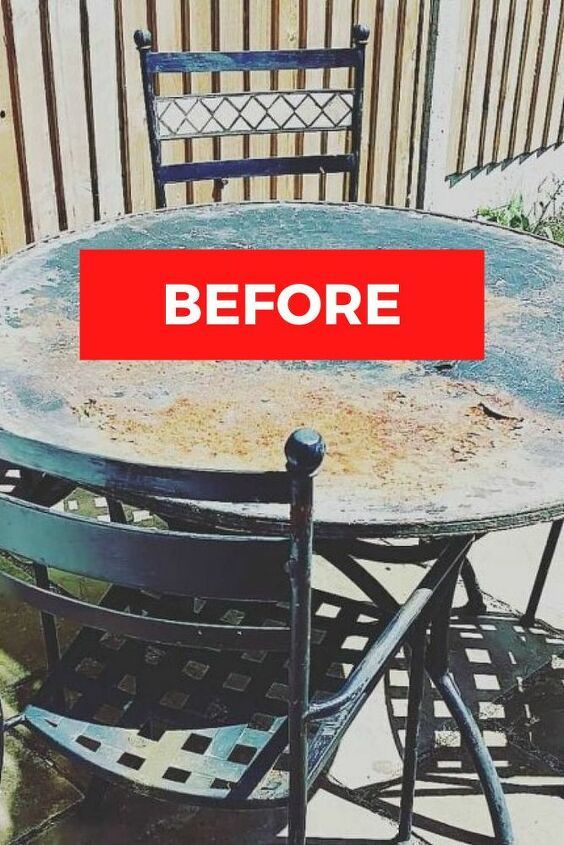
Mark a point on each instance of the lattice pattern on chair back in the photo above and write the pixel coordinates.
(254, 112)
(244, 113)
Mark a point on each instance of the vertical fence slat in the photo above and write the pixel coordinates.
(105, 105)
(169, 38)
(530, 71)
(287, 38)
(374, 69)
(39, 166)
(552, 129)
(201, 39)
(490, 91)
(231, 38)
(540, 60)
(419, 102)
(381, 137)
(469, 156)
(397, 194)
(134, 16)
(259, 39)
(395, 102)
(366, 13)
(465, 52)
(520, 78)
(71, 111)
(339, 77)
(514, 47)
(541, 105)
(301, 83)
(495, 78)
(325, 83)
(313, 79)
(12, 214)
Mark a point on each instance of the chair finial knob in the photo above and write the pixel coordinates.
(360, 33)
(304, 451)
(143, 39)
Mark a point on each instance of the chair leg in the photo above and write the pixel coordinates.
(529, 616)
(303, 455)
(299, 684)
(438, 668)
(416, 686)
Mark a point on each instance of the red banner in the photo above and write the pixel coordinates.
(281, 304)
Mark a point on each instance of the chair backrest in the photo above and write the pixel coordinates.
(257, 112)
(238, 567)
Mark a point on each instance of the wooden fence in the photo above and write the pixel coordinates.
(73, 144)
(509, 98)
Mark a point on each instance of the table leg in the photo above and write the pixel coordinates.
(528, 619)
(437, 614)
(476, 604)
(438, 668)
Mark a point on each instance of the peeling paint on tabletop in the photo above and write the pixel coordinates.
(407, 441)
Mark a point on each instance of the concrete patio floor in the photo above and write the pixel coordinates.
(41, 793)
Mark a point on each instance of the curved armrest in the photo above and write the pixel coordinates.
(370, 670)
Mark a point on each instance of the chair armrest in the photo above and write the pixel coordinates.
(371, 668)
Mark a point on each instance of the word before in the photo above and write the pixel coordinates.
(281, 304)
(234, 304)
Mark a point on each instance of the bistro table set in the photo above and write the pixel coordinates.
(211, 671)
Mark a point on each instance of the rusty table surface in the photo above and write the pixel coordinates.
(413, 448)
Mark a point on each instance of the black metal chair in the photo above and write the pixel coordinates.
(179, 682)
(249, 113)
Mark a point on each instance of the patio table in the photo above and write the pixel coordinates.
(415, 449)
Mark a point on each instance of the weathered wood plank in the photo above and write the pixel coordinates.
(520, 79)
(201, 40)
(71, 111)
(515, 36)
(39, 166)
(169, 36)
(553, 125)
(374, 70)
(419, 102)
(366, 15)
(457, 125)
(542, 101)
(230, 31)
(12, 218)
(470, 155)
(531, 67)
(404, 110)
(286, 34)
(381, 138)
(495, 93)
(105, 105)
(259, 28)
(134, 16)
(340, 39)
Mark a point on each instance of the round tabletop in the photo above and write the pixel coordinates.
(413, 448)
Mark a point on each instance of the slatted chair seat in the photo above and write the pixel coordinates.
(191, 724)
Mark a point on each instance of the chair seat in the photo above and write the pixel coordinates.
(200, 725)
